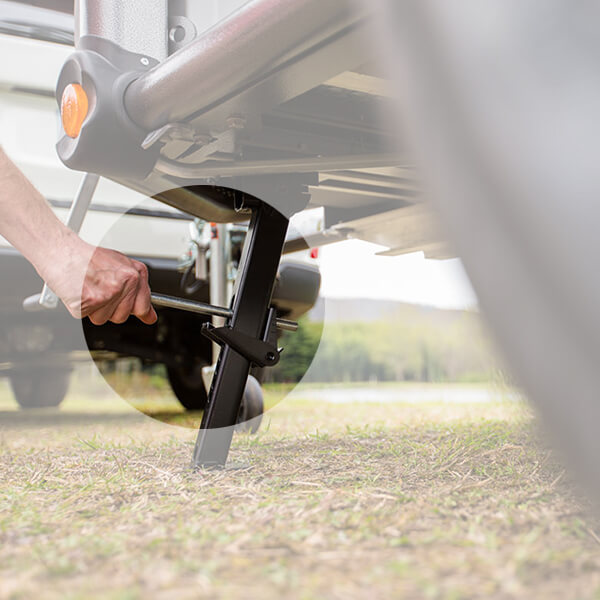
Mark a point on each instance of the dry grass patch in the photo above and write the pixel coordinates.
(348, 502)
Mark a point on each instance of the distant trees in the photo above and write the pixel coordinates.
(298, 351)
(417, 346)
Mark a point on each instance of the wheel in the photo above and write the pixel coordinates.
(40, 387)
(188, 386)
(252, 407)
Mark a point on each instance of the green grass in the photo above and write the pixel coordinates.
(332, 501)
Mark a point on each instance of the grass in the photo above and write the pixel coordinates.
(333, 501)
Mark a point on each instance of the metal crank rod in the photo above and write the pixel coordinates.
(247, 338)
(202, 308)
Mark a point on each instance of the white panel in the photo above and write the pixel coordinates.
(30, 63)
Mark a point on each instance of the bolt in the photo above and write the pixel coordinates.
(270, 356)
(145, 61)
(177, 34)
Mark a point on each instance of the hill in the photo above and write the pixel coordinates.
(368, 310)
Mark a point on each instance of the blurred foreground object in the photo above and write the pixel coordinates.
(503, 102)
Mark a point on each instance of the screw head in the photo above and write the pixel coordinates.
(145, 61)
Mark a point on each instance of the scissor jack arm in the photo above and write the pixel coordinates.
(251, 319)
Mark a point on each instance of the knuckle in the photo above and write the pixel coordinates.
(92, 299)
(101, 297)
(115, 292)
(130, 276)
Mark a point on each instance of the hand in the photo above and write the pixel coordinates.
(101, 284)
(114, 288)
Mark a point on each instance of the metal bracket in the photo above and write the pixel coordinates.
(258, 352)
(48, 299)
(182, 32)
(174, 131)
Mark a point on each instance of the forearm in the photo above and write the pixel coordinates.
(102, 284)
(28, 223)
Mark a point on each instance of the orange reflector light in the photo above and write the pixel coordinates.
(74, 109)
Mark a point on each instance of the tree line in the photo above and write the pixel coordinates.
(418, 346)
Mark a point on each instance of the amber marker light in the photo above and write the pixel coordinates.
(74, 109)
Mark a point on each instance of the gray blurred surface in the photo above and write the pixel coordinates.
(503, 101)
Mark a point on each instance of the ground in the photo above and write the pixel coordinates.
(362, 500)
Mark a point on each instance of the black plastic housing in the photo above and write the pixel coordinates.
(110, 143)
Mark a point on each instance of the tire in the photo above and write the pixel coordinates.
(188, 386)
(40, 387)
(252, 407)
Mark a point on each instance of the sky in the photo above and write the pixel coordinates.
(352, 270)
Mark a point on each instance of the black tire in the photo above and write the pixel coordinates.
(40, 387)
(252, 407)
(188, 386)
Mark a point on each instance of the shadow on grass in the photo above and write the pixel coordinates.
(191, 420)
(37, 418)
(43, 418)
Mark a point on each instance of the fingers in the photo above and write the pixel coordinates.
(75, 309)
(97, 307)
(104, 285)
(142, 307)
(132, 298)
(115, 289)
(118, 297)
(124, 307)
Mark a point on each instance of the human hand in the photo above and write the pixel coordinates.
(101, 284)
